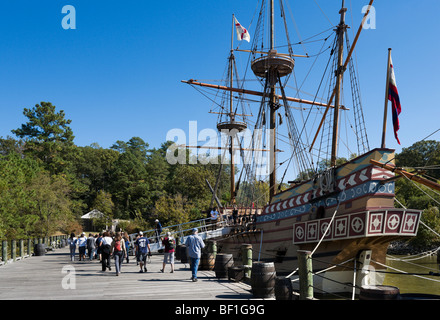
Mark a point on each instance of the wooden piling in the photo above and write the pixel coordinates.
(5, 251)
(13, 249)
(305, 275)
(246, 255)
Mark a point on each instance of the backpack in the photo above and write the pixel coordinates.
(72, 242)
(89, 242)
(171, 244)
(106, 249)
(118, 246)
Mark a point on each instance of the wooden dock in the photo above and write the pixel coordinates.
(54, 277)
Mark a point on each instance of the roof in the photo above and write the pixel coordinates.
(93, 214)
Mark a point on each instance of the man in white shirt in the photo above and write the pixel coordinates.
(82, 243)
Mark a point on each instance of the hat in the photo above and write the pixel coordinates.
(156, 220)
(141, 233)
(194, 230)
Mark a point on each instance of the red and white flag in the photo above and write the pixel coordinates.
(242, 33)
(393, 96)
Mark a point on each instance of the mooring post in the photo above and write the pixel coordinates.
(29, 247)
(21, 245)
(305, 275)
(13, 249)
(213, 248)
(5, 251)
(246, 255)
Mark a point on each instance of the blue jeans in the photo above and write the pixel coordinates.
(72, 253)
(119, 256)
(194, 267)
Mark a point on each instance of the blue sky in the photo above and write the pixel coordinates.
(118, 74)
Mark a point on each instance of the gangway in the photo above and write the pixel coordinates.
(206, 230)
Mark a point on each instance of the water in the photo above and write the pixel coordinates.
(414, 284)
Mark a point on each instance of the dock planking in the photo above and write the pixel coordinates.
(41, 278)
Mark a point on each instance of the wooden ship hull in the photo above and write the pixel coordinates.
(352, 205)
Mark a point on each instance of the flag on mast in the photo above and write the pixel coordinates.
(242, 33)
(393, 96)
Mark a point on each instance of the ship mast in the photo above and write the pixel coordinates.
(231, 127)
(273, 100)
(339, 76)
(272, 67)
(231, 114)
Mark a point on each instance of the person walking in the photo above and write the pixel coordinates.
(91, 241)
(119, 251)
(72, 245)
(168, 256)
(127, 246)
(143, 249)
(98, 246)
(194, 244)
(82, 244)
(158, 230)
(136, 251)
(106, 250)
(235, 214)
(214, 217)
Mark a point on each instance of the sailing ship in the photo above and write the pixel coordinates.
(343, 214)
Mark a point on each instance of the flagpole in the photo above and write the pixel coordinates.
(232, 33)
(385, 114)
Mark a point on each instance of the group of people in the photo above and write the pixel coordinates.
(101, 246)
(105, 245)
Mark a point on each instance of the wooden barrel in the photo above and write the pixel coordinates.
(263, 279)
(236, 273)
(177, 252)
(39, 249)
(222, 262)
(379, 293)
(283, 289)
(207, 261)
(183, 254)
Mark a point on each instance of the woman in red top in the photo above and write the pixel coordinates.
(168, 257)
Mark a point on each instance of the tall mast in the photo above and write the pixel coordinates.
(273, 100)
(339, 75)
(231, 113)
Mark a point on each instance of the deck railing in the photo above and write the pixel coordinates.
(18, 249)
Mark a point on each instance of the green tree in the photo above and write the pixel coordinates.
(32, 202)
(422, 154)
(103, 203)
(158, 172)
(92, 167)
(129, 188)
(173, 210)
(425, 237)
(47, 135)
(10, 145)
(135, 146)
(15, 201)
(51, 203)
